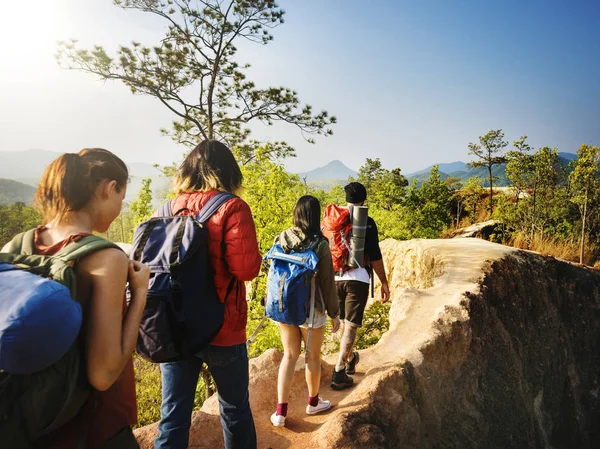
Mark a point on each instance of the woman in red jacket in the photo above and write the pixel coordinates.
(235, 258)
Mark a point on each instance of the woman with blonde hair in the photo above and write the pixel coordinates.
(234, 257)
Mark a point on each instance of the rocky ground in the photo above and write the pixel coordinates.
(488, 347)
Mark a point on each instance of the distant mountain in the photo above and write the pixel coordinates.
(450, 167)
(27, 167)
(335, 172)
(459, 170)
(13, 191)
(567, 156)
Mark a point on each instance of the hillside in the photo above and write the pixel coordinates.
(13, 191)
(459, 170)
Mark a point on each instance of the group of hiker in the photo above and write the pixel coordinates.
(74, 307)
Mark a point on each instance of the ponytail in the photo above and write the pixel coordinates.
(70, 181)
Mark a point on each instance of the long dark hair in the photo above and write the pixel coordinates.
(211, 165)
(307, 216)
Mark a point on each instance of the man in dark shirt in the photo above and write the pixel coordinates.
(353, 292)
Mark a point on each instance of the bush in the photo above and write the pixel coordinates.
(149, 391)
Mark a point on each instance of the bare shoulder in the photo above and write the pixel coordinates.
(105, 261)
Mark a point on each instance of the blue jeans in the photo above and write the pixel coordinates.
(228, 366)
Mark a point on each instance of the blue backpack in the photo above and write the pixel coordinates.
(183, 312)
(291, 286)
(43, 383)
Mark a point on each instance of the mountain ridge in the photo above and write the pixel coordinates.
(26, 167)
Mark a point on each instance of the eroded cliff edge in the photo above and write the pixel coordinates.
(488, 347)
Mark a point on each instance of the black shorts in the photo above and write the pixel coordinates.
(353, 297)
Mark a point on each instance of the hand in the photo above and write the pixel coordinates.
(138, 276)
(385, 293)
(335, 324)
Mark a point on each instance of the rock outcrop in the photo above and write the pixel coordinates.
(481, 230)
(488, 347)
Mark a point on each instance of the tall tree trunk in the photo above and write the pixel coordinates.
(491, 190)
(583, 217)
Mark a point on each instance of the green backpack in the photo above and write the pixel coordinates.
(34, 404)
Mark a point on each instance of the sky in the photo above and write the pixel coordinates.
(411, 82)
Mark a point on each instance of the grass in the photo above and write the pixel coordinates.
(566, 249)
(149, 391)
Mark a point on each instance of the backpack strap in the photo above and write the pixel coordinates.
(213, 205)
(164, 210)
(83, 247)
(311, 315)
(22, 243)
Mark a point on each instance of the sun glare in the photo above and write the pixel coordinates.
(31, 33)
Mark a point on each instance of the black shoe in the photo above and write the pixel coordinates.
(351, 365)
(340, 380)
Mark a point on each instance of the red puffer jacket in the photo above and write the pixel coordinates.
(233, 253)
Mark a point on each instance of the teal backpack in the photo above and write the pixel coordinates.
(43, 384)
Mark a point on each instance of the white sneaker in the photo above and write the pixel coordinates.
(278, 420)
(320, 407)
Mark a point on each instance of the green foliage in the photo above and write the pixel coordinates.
(376, 322)
(404, 212)
(436, 198)
(268, 336)
(149, 391)
(142, 206)
(488, 153)
(271, 192)
(585, 186)
(121, 230)
(471, 194)
(193, 71)
(16, 218)
(520, 166)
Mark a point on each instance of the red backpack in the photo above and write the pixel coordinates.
(336, 227)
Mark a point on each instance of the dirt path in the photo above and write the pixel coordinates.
(299, 426)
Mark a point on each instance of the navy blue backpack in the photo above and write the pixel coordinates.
(183, 312)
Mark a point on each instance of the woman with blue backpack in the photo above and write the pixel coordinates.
(84, 397)
(302, 242)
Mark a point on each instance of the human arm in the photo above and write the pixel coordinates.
(335, 324)
(111, 335)
(241, 247)
(375, 257)
(379, 269)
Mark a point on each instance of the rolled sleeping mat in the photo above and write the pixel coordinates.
(359, 215)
